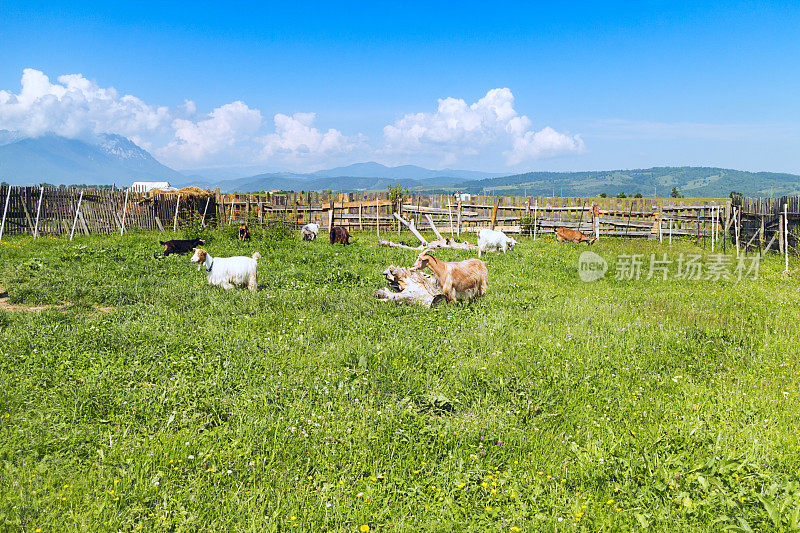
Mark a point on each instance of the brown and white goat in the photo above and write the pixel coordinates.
(464, 280)
(572, 235)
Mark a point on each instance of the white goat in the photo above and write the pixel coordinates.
(227, 272)
(489, 240)
(309, 232)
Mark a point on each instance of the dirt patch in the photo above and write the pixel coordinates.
(65, 307)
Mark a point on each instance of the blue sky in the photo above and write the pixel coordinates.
(500, 87)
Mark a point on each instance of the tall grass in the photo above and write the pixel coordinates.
(550, 404)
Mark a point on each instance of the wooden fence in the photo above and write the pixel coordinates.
(631, 217)
(752, 222)
(61, 211)
(768, 223)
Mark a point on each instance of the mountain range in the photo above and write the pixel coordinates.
(58, 160)
(115, 159)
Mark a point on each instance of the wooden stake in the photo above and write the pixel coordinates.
(25, 208)
(5, 210)
(450, 214)
(786, 233)
(459, 217)
(83, 223)
(378, 215)
(77, 210)
(38, 211)
(203, 219)
(769, 244)
(535, 215)
(433, 227)
(411, 228)
(580, 222)
(360, 213)
(670, 231)
(628, 225)
(713, 228)
(124, 212)
(177, 206)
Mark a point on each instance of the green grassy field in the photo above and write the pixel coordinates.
(549, 405)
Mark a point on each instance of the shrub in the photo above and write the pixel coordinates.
(194, 229)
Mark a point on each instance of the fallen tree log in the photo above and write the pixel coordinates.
(411, 286)
(438, 243)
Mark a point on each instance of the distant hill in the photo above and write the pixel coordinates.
(357, 177)
(115, 159)
(57, 160)
(304, 182)
(403, 172)
(698, 182)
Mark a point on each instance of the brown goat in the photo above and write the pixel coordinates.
(340, 235)
(244, 233)
(465, 279)
(573, 235)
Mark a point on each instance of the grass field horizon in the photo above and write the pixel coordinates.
(548, 405)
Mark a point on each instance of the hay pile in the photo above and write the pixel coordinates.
(186, 191)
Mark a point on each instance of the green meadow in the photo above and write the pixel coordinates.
(138, 397)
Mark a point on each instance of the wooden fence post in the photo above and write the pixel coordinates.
(360, 214)
(177, 206)
(459, 217)
(378, 215)
(786, 234)
(628, 224)
(535, 215)
(77, 210)
(713, 228)
(450, 214)
(38, 211)
(124, 212)
(670, 230)
(205, 209)
(5, 210)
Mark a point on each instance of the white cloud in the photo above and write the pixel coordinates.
(296, 137)
(488, 125)
(227, 130)
(543, 143)
(76, 107)
(457, 133)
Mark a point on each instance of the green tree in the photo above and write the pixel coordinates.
(622, 195)
(397, 193)
(637, 195)
(675, 193)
